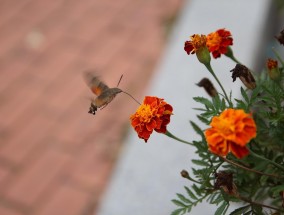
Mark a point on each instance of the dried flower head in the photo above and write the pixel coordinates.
(153, 114)
(242, 72)
(208, 86)
(218, 42)
(230, 132)
(225, 181)
(280, 37)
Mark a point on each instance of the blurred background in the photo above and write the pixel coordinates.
(55, 158)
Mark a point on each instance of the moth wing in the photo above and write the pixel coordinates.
(106, 97)
(94, 83)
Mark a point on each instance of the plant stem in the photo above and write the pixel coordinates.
(259, 204)
(234, 59)
(265, 159)
(248, 169)
(169, 134)
(208, 66)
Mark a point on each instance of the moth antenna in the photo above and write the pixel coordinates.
(132, 97)
(119, 80)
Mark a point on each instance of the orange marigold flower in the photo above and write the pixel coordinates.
(230, 132)
(218, 42)
(153, 114)
(197, 41)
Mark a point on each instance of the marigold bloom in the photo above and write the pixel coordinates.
(196, 42)
(230, 132)
(153, 114)
(218, 42)
(197, 45)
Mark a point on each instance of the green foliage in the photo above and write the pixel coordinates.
(257, 179)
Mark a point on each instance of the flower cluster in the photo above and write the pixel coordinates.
(217, 42)
(153, 114)
(234, 147)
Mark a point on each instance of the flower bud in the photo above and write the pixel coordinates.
(208, 87)
(184, 174)
(242, 72)
(273, 70)
(203, 55)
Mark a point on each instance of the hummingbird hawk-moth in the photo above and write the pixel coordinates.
(104, 94)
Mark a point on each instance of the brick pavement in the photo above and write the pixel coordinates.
(55, 159)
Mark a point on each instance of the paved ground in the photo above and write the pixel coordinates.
(55, 159)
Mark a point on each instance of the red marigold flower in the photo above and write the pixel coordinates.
(218, 42)
(153, 114)
(230, 132)
(197, 41)
(197, 45)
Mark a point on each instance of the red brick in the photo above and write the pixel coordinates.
(24, 139)
(9, 9)
(92, 166)
(14, 65)
(66, 200)
(44, 101)
(9, 211)
(4, 173)
(31, 183)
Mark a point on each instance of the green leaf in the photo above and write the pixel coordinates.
(204, 101)
(240, 210)
(241, 104)
(221, 209)
(223, 105)
(179, 211)
(183, 198)
(196, 190)
(179, 203)
(216, 102)
(200, 162)
(197, 129)
(203, 119)
(244, 94)
(277, 189)
(190, 193)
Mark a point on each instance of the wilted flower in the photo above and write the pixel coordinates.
(153, 114)
(208, 86)
(273, 70)
(280, 38)
(230, 132)
(197, 44)
(242, 72)
(225, 181)
(218, 42)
